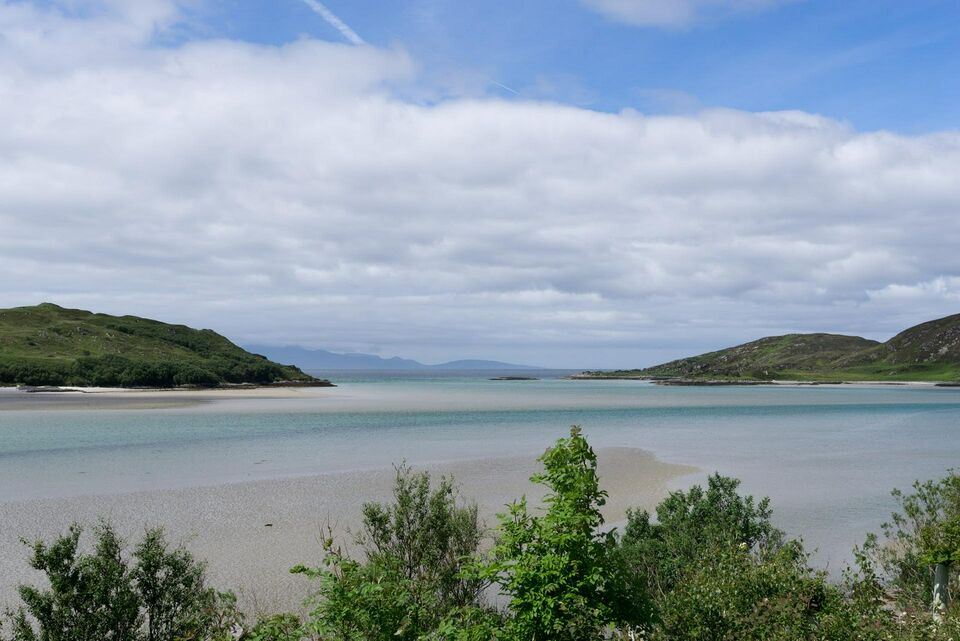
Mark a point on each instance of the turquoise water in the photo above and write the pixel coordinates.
(827, 456)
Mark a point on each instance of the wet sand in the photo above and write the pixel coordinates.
(228, 525)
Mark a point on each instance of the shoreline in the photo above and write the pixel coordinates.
(696, 382)
(125, 398)
(336, 398)
(251, 533)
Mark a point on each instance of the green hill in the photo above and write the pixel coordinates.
(49, 345)
(927, 352)
(767, 357)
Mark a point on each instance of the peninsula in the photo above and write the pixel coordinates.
(926, 352)
(48, 345)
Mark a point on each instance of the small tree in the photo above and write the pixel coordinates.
(176, 603)
(559, 569)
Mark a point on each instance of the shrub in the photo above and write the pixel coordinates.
(428, 534)
(691, 526)
(410, 579)
(99, 596)
(101, 371)
(91, 596)
(192, 375)
(278, 627)
(734, 596)
(922, 532)
(32, 372)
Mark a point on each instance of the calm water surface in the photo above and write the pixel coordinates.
(827, 456)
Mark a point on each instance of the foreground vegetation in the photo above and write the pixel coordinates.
(49, 345)
(709, 566)
(927, 352)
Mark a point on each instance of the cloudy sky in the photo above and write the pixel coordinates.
(592, 183)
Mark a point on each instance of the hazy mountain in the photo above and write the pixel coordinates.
(322, 359)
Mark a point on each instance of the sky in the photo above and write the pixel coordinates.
(565, 183)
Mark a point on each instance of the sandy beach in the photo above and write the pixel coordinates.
(252, 533)
(105, 398)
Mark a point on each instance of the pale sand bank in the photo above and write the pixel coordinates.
(226, 525)
(105, 398)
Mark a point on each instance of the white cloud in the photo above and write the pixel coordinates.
(290, 194)
(934, 291)
(674, 13)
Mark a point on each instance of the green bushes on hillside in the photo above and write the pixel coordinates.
(710, 567)
(113, 370)
(26, 372)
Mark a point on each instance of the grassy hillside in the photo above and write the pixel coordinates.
(49, 345)
(927, 352)
(764, 358)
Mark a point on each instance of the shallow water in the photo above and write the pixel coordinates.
(827, 456)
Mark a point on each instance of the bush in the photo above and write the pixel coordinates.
(278, 627)
(734, 596)
(924, 531)
(91, 597)
(191, 375)
(99, 596)
(691, 527)
(101, 371)
(31, 372)
(410, 579)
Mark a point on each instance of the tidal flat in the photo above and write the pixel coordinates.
(252, 533)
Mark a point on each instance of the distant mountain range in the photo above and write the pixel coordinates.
(926, 352)
(320, 359)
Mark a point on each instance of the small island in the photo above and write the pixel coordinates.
(46, 347)
(929, 352)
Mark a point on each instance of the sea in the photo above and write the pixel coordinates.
(827, 455)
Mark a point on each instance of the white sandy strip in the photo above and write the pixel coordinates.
(227, 525)
(101, 398)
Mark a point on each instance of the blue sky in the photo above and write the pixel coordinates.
(877, 64)
(592, 183)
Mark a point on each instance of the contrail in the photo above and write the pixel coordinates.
(335, 22)
(503, 86)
